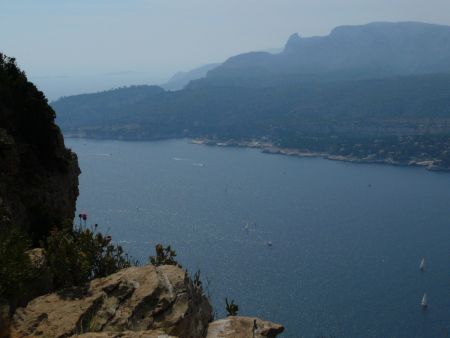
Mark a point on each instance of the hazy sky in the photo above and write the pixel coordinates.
(82, 38)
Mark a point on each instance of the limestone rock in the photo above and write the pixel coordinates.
(243, 327)
(125, 334)
(134, 299)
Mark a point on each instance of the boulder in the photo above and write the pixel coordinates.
(243, 327)
(136, 299)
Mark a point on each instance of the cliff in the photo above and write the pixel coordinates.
(38, 191)
(38, 174)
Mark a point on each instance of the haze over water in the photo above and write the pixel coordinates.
(347, 238)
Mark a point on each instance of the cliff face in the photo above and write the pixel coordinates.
(38, 174)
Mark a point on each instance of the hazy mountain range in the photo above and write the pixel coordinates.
(181, 79)
(374, 50)
(369, 81)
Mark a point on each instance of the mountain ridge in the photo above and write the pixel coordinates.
(377, 49)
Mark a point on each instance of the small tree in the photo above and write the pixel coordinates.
(164, 256)
(15, 264)
(231, 308)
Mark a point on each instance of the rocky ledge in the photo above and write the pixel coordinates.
(136, 302)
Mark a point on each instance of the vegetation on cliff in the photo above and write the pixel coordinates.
(82, 254)
(15, 265)
(72, 257)
(38, 190)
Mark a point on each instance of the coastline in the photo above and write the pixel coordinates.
(269, 148)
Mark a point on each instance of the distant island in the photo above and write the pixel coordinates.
(375, 93)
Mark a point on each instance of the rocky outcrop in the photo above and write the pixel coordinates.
(38, 174)
(135, 299)
(125, 334)
(243, 327)
(231, 327)
(148, 301)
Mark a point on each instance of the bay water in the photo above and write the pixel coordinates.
(325, 248)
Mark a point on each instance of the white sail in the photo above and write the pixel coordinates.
(424, 302)
(422, 264)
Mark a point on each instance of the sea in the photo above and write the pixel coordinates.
(325, 248)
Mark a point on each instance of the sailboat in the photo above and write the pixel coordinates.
(422, 264)
(246, 228)
(424, 302)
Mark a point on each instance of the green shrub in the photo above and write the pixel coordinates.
(15, 264)
(197, 280)
(231, 308)
(164, 256)
(82, 254)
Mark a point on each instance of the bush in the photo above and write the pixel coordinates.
(15, 264)
(231, 308)
(82, 254)
(164, 256)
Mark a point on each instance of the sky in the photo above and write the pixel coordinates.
(73, 46)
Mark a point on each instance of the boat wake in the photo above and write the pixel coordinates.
(102, 155)
(195, 164)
